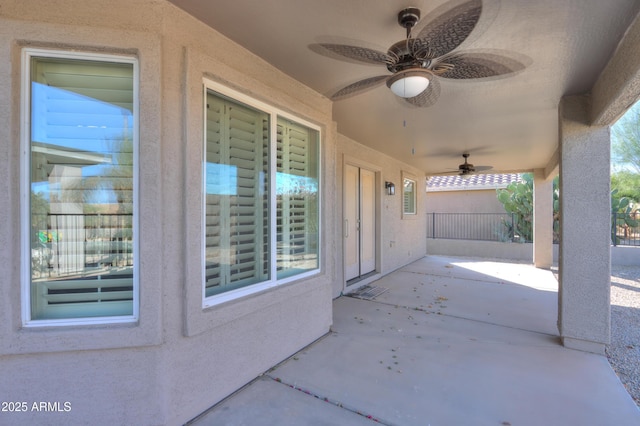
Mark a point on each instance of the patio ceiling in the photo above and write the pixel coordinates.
(510, 123)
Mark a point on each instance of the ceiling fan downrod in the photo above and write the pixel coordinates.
(403, 50)
(408, 18)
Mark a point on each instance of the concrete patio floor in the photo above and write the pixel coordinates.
(452, 342)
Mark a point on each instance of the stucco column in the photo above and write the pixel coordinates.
(542, 220)
(584, 314)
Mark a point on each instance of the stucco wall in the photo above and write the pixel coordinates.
(401, 240)
(178, 360)
(481, 249)
(620, 255)
(475, 201)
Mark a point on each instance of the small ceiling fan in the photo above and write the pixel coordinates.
(466, 168)
(418, 62)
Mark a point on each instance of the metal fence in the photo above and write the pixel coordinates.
(68, 244)
(625, 227)
(473, 226)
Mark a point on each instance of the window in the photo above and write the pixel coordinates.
(297, 198)
(80, 133)
(409, 196)
(236, 196)
(260, 194)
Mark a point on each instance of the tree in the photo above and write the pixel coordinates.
(627, 184)
(517, 199)
(625, 140)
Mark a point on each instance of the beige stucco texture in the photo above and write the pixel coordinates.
(179, 358)
(182, 357)
(584, 257)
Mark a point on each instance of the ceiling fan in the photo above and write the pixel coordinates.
(466, 168)
(418, 62)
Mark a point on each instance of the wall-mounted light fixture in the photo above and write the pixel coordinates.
(390, 187)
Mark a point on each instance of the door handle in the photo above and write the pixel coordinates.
(346, 228)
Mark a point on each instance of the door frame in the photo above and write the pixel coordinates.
(377, 170)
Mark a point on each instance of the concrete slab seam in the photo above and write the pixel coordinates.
(331, 401)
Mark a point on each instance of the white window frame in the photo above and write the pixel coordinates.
(274, 113)
(25, 182)
(414, 213)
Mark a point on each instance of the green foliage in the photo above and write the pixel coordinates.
(39, 212)
(625, 140)
(627, 184)
(517, 199)
(622, 215)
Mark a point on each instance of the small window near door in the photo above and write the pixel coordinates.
(408, 197)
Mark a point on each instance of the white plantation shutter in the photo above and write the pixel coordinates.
(409, 197)
(215, 182)
(236, 213)
(82, 189)
(241, 247)
(296, 167)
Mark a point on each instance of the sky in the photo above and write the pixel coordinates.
(634, 111)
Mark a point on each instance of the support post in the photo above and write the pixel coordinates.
(584, 311)
(542, 220)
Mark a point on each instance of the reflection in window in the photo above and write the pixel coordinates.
(82, 166)
(236, 199)
(245, 197)
(297, 198)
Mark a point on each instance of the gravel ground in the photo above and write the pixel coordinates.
(624, 350)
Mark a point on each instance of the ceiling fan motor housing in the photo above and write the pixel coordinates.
(403, 50)
(466, 167)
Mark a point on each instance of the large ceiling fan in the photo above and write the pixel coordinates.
(418, 62)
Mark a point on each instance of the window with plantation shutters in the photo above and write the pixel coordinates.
(409, 197)
(236, 195)
(261, 196)
(81, 190)
(297, 198)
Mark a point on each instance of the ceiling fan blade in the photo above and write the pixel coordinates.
(449, 29)
(481, 168)
(357, 53)
(429, 96)
(359, 87)
(449, 173)
(466, 65)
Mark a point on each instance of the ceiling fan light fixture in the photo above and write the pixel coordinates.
(408, 84)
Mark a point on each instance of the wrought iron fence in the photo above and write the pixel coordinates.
(473, 226)
(625, 227)
(66, 244)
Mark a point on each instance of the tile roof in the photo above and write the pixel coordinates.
(470, 183)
